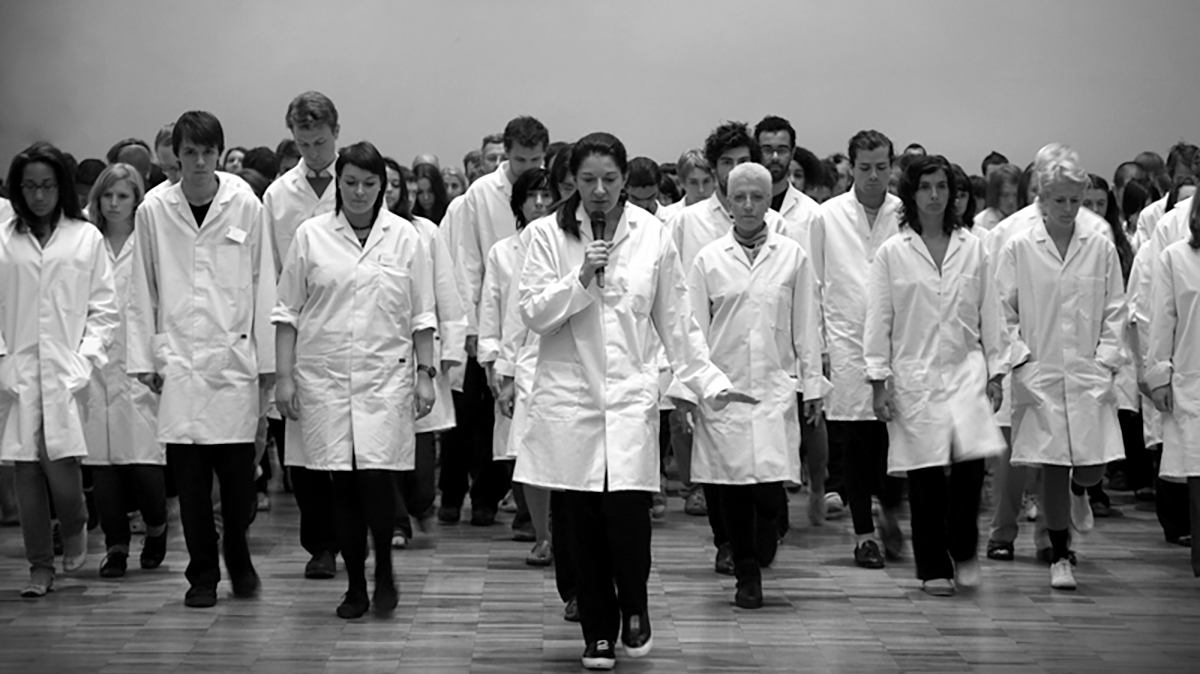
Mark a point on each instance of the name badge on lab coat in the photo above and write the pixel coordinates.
(236, 235)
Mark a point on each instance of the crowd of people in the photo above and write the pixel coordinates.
(555, 324)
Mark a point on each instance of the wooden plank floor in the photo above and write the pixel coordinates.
(469, 604)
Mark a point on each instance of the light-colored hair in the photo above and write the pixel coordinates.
(109, 177)
(691, 160)
(752, 173)
(1058, 163)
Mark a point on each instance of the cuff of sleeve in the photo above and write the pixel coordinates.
(678, 390)
(1110, 357)
(92, 349)
(878, 373)
(719, 383)
(1158, 375)
(505, 368)
(817, 387)
(424, 321)
(1019, 354)
(489, 351)
(284, 315)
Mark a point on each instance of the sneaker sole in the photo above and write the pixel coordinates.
(641, 651)
(599, 663)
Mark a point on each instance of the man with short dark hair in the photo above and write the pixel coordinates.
(642, 184)
(168, 163)
(990, 162)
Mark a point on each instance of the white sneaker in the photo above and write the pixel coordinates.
(833, 503)
(75, 551)
(508, 504)
(1030, 505)
(1081, 513)
(968, 573)
(1061, 575)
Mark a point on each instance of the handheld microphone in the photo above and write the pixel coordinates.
(598, 225)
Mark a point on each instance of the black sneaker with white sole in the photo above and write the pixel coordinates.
(599, 655)
(635, 635)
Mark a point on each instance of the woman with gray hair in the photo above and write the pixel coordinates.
(1063, 306)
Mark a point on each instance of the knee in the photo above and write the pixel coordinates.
(1088, 476)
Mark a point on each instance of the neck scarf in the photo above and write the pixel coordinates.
(753, 243)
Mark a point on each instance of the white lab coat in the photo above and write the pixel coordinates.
(288, 202)
(57, 317)
(486, 218)
(1175, 356)
(760, 322)
(594, 407)
(122, 411)
(503, 267)
(986, 220)
(930, 333)
(449, 346)
(450, 237)
(1149, 217)
(518, 353)
(6, 211)
(198, 313)
(843, 250)
(355, 309)
(1065, 319)
(799, 211)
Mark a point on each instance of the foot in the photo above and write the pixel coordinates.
(114, 564)
(816, 508)
(658, 505)
(891, 534)
(749, 594)
(508, 504)
(695, 504)
(867, 555)
(968, 573)
(264, 502)
(571, 611)
(247, 586)
(833, 503)
(399, 541)
(75, 551)
(1046, 556)
(41, 581)
(1030, 505)
(200, 596)
(154, 551)
(1000, 550)
(322, 566)
(426, 519)
(541, 555)
(1184, 541)
(1081, 513)
(524, 535)
(724, 562)
(448, 515)
(354, 605)
(1102, 509)
(482, 516)
(1145, 494)
(1062, 577)
(635, 635)
(386, 598)
(599, 655)
(938, 587)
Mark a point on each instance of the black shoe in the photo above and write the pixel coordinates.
(1000, 550)
(483, 517)
(322, 566)
(386, 597)
(247, 586)
(1183, 541)
(354, 605)
(571, 611)
(447, 515)
(154, 551)
(114, 564)
(635, 635)
(599, 655)
(868, 556)
(749, 594)
(724, 561)
(200, 596)
(1046, 556)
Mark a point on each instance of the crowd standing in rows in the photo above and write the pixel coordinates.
(559, 322)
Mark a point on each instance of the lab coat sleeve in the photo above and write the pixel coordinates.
(423, 314)
(452, 319)
(269, 225)
(816, 250)
(881, 315)
(1010, 309)
(677, 326)
(1111, 350)
(697, 291)
(1141, 279)
(991, 333)
(1163, 323)
(806, 333)
(141, 315)
(549, 297)
(448, 240)
(292, 291)
(512, 331)
(472, 258)
(264, 289)
(102, 315)
(490, 303)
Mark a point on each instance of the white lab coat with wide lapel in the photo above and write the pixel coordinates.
(1175, 356)
(449, 345)
(1065, 319)
(843, 250)
(760, 323)
(123, 412)
(57, 317)
(994, 241)
(199, 310)
(940, 379)
(288, 202)
(502, 270)
(799, 211)
(518, 353)
(355, 309)
(594, 410)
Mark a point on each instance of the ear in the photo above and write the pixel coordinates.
(336, 130)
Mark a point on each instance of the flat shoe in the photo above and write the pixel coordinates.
(939, 587)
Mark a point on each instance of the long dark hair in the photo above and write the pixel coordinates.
(603, 144)
(67, 204)
(1194, 224)
(401, 207)
(363, 155)
(438, 185)
(910, 182)
(530, 181)
(1112, 215)
(963, 184)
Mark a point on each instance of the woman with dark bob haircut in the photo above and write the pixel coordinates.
(936, 392)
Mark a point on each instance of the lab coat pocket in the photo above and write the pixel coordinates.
(1090, 294)
(911, 389)
(394, 293)
(557, 390)
(1186, 389)
(8, 377)
(1099, 382)
(968, 301)
(78, 373)
(71, 291)
(231, 265)
(242, 357)
(161, 348)
(1024, 385)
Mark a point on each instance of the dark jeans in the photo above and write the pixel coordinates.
(750, 513)
(415, 489)
(364, 501)
(560, 535)
(945, 516)
(194, 466)
(863, 447)
(467, 448)
(115, 486)
(610, 548)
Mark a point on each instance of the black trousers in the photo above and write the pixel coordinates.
(193, 466)
(750, 513)
(415, 490)
(1140, 471)
(364, 501)
(610, 549)
(945, 516)
(467, 448)
(313, 490)
(1171, 506)
(560, 535)
(115, 485)
(863, 447)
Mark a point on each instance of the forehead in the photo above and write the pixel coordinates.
(526, 150)
(744, 183)
(309, 134)
(356, 172)
(38, 169)
(491, 148)
(877, 155)
(642, 189)
(189, 144)
(598, 163)
(1063, 189)
(774, 138)
(736, 152)
(938, 176)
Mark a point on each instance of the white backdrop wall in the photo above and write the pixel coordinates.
(1111, 77)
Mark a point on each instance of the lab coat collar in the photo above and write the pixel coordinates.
(1078, 237)
(298, 179)
(734, 249)
(303, 169)
(382, 224)
(503, 182)
(226, 188)
(957, 237)
(791, 199)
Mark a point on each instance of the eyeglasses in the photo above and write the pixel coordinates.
(34, 188)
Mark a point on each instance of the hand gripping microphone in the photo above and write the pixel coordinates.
(598, 225)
